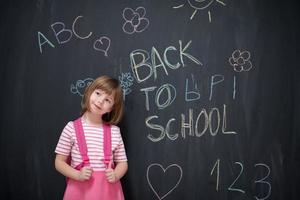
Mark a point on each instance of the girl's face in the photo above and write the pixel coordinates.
(100, 102)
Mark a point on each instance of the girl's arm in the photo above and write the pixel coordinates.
(64, 168)
(121, 169)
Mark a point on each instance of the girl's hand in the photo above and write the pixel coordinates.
(85, 173)
(111, 174)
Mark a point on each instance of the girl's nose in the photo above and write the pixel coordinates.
(100, 100)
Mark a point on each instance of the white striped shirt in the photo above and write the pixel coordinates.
(94, 139)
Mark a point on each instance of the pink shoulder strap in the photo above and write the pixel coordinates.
(107, 143)
(81, 141)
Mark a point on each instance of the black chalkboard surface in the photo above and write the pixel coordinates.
(211, 90)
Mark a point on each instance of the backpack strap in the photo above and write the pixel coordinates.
(81, 143)
(106, 144)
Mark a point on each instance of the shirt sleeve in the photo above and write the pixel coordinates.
(66, 140)
(119, 152)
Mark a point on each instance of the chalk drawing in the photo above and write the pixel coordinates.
(135, 21)
(126, 81)
(102, 44)
(160, 167)
(200, 5)
(80, 85)
(240, 61)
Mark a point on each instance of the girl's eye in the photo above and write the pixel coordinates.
(97, 93)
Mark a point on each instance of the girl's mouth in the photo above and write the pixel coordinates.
(99, 108)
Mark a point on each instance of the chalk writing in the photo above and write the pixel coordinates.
(80, 85)
(45, 41)
(158, 168)
(75, 33)
(234, 87)
(191, 95)
(215, 79)
(142, 69)
(196, 128)
(241, 171)
(240, 60)
(135, 20)
(200, 5)
(262, 181)
(234, 188)
(64, 35)
(217, 165)
(126, 81)
(167, 90)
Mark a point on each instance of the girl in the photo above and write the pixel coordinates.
(101, 104)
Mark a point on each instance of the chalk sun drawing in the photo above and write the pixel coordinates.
(200, 5)
(160, 167)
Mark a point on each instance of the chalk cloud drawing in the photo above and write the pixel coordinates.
(102, 44)
(126, 81)
(200, 5)
(240, 61)
(80, 85)
(135, 20)
(156, 166)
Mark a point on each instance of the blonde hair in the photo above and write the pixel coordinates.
(112, 87)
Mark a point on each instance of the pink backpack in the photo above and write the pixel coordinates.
(82, 144)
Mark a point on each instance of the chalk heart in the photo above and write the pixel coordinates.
(102, 44)
(175, 167)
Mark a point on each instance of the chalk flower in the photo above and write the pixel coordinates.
(240, 60)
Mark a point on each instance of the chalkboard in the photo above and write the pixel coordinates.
(211, 91)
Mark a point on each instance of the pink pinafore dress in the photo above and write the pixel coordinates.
(97, 187)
